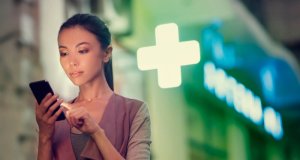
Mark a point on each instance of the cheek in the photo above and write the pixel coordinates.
(63, 64)
(95, 59)
(93, 63)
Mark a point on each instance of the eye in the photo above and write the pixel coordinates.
(83, 51)
(62, 54)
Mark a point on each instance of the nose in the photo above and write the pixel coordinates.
(73, 61)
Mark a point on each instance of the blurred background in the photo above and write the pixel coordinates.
(240, 102)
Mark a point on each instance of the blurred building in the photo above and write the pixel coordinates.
(240, 102)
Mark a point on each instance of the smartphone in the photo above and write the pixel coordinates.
(40, 89)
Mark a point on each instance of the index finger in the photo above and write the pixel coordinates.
(65, 106)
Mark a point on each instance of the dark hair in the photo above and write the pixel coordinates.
(96, 26)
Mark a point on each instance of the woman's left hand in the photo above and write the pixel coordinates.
(82, 120)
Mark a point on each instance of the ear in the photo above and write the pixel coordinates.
(107, 54)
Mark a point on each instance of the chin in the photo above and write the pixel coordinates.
(77, 82)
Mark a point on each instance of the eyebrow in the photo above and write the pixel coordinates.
(62, 46)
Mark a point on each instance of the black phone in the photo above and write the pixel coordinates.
(40, 89)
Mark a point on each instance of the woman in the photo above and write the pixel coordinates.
(100, 124)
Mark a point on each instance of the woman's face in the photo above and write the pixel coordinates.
(81, 55)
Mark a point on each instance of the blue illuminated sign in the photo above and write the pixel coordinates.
(242, 99)
(279, 83)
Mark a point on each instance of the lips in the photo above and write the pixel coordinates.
(76, 74)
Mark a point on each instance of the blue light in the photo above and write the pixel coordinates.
(213, 43)
(256, 112)
(209, 80)
(280, 85)
(220, 87)
(242, 99)
(267, 81)
(238, 93)
(231, 82)
(272, 122)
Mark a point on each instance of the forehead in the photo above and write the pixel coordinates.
(74, 35)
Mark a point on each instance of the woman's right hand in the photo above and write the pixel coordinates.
(44, 117)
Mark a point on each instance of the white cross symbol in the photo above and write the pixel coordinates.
(168, 55)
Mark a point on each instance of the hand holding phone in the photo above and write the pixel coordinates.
(40, 89)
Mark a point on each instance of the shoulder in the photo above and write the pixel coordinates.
(132, 106)
(129, 103)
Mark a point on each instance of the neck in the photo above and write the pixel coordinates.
(96, 89)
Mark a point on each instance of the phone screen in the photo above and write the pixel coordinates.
(40, 89)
